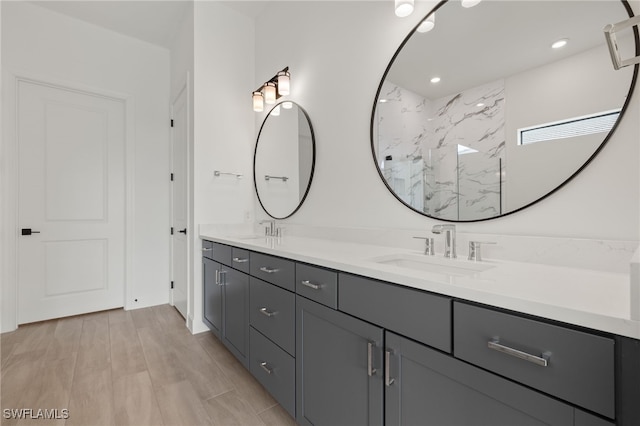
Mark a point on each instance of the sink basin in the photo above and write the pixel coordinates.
(451, 267)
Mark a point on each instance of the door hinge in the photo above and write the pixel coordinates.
(172, 230)
(171, 177)
(171, 284)
(171, 122)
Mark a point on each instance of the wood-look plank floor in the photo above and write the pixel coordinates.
(140, 367)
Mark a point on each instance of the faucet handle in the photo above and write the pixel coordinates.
(429, 246)
(475, 252)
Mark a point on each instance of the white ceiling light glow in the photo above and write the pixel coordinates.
(560, 43)
(435, 80)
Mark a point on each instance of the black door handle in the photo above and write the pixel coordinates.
(183, 231)
(28, 231)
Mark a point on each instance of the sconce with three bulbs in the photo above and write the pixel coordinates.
(271, 90)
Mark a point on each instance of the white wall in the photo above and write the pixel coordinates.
(337, 53)
(50, 46)
(550, 93)
(224, 134)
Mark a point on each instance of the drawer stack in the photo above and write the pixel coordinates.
(272, 321)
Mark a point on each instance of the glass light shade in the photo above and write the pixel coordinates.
(276, 111)
(428, 24)
(283, 83)
(269, 91)
(470, 3)
(287, 105)
(258, 102)
(404, 8)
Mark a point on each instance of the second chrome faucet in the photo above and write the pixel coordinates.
(449, 232)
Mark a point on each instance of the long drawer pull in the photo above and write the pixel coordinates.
(266, 312)
(496, 346)
(240, 260)
(309, 284)
(388, 380)
(207, 249)
(370, 370)
(268, 270)
(266, 367)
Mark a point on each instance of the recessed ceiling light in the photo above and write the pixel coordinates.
(479, 104)
(383, 100)
(560, 43)
(435, 80)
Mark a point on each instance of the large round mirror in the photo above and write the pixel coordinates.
(284, 160)
(498, 105)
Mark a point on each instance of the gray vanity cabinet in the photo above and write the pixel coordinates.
(226, 299)
(235, 313)
(212, 295)
(338, 368)
(427, 387)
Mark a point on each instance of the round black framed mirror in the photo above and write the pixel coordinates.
(284, 160)
(481, 117)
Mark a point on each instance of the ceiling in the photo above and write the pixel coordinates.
(496, 39)
(153, 21)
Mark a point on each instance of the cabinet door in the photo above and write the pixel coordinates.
(235, 333)
(427, 387)
(212, 309)
(338, 368)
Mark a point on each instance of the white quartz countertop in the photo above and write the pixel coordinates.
(590, 298)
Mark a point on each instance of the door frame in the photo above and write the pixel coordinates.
(9, 185)
(184, 88)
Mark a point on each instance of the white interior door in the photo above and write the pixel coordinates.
(180, 114)
(71, 172)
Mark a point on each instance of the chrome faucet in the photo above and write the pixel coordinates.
(272, 230)
(449, 239)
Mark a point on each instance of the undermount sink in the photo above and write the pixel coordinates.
(452, 267)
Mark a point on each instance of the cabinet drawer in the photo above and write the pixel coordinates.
(421, 316)
(275, 369)
(240, 259)
(318, 284)
(207, 249)
(272, 312)
(579, 366)
(274, 270)
(216, 251)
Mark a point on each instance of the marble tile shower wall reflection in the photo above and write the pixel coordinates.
(421, 142)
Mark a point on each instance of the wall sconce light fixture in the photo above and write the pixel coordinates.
(470, 3)
(403, 8)
(271, 90)
(428, 24)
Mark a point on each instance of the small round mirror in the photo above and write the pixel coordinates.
(284, 160)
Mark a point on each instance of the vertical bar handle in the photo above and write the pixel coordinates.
(221, 281)
(388, 380)
(370, 370)
(218, 276)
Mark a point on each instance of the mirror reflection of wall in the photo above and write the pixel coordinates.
(451, 149)
(284, 160)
